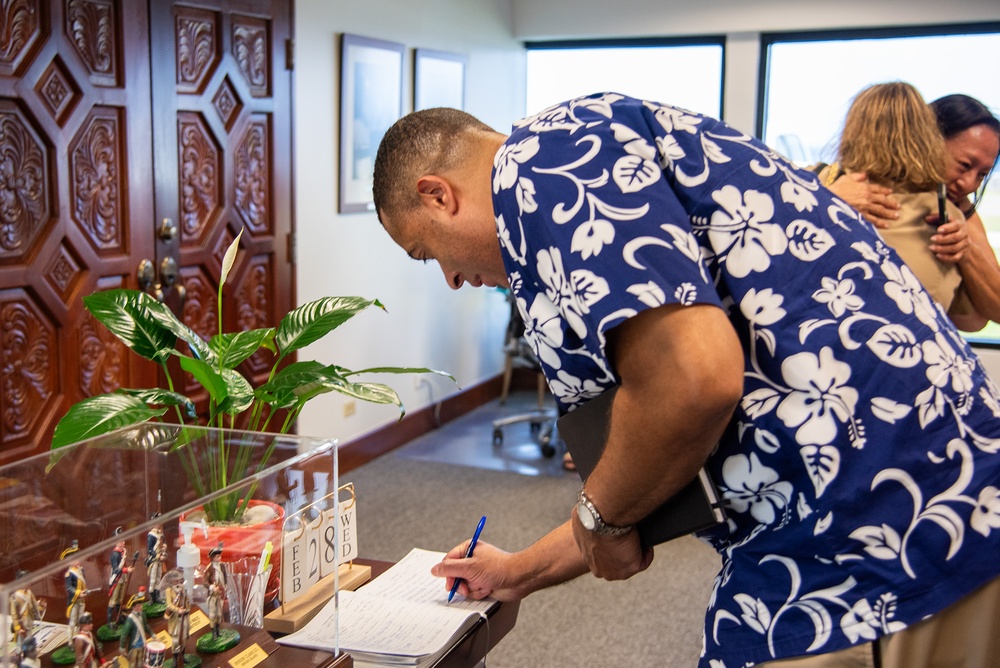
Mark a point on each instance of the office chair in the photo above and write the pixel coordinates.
(518, 354)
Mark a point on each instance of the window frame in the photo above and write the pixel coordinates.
(769, 39)
(639, 42)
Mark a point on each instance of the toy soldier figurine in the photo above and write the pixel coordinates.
(29, 654)
(135, 631)
(76, 591)
(117, 583)
(216, 579)
(25, 610)
(178, 617)
(84, 646)
(156, 556)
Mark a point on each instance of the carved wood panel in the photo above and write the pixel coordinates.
(76, 188)
(89, 167)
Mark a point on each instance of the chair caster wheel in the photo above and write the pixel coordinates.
(548, 450)
(497, 438)
(535, 428)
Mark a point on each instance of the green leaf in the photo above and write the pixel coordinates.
(399, 369)
(312, 321)
(128, 314)
(208, 376)
(98, 415)
(157, 397)
(376, 393)
(198, 345)
(239, 393)
(310, 379)
(232, 349)
(231, 393)
(297, 382)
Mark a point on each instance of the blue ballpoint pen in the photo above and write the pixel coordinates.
(468, 553)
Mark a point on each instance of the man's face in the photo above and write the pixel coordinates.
(465, 247)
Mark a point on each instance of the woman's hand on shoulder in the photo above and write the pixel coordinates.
(873, 201)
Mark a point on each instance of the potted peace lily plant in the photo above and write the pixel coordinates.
(151, 330)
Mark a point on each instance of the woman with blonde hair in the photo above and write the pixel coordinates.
(892, 136)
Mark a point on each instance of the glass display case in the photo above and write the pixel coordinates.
(82, 525)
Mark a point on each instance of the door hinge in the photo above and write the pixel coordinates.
(289, 54)
(291, 248)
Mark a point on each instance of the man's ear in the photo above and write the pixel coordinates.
(437, 194)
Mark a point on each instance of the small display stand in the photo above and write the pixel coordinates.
(312, 530)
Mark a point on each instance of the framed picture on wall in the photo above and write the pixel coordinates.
(438, 79)
(371, 100)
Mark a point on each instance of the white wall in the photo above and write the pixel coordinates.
(563, 19)
(426, 324)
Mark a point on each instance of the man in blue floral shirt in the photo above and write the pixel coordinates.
(755, 324)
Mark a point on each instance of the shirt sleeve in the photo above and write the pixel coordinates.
(608, 237)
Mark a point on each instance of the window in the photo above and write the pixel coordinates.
(811, 79)
(685, 73)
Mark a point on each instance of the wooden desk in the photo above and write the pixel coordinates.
(467, 652)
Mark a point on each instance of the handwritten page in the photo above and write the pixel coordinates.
(401, 617)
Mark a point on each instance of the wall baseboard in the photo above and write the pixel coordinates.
(365, 448)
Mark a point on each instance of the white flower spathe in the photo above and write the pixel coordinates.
(740, 232)
(820, 397)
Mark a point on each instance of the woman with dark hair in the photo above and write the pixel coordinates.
(972, 142)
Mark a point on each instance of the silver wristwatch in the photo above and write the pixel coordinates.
(591, 520)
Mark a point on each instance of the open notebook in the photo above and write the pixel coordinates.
(401, 618)
(696, 507)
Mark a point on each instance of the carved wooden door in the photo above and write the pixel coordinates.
(222, 141)
(99, 145)
(75, 205)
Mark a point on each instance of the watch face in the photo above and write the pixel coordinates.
(586, 517)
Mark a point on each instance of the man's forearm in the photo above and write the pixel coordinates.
(552, 560)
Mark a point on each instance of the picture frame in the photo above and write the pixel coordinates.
(438, 79)
(371, 100)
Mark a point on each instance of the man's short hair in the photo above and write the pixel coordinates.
(423, 142)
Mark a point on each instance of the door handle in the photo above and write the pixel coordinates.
(168, 272)
(146, 273)
(168, 229)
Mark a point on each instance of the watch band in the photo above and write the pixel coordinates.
(601, 528)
